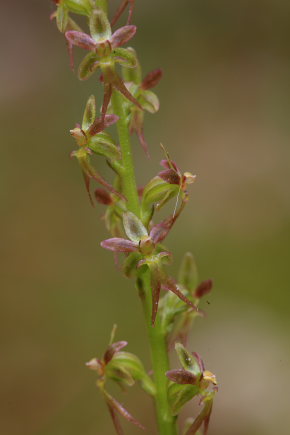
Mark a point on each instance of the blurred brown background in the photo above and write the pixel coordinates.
(224, 116)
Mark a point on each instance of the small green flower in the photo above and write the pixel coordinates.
(139, 240)
(91, 139)
(123, 368)
(190, 381)
(104, 52)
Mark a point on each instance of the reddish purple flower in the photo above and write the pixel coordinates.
(140, 241)
(91, 138)
(104, 52)
(173, 175)
(102, 367)
(203, 383)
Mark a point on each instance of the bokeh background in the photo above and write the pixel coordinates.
(224, 116)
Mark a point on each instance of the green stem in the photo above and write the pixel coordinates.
(157, 337)
(160, 362)
(129, 185)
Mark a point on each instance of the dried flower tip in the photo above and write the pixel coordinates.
(209, 376)
(203, 289)
(103, 197)
(112, 349)
(189, 178)
(152, 79)
(97, 365)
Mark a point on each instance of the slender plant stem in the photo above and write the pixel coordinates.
(129, 185)
(160, 363)
(157, 337)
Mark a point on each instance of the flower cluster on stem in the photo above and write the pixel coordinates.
(131, 217)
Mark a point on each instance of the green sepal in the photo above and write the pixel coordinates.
(100, 146)
(156, 189)
(188, 275)
(179, 395)
(125, 57)
(113, 222)
(132, 364)
(130, 264)
(62, 17)
(88, 66)
(187, 360)
(119, 374)
(133, 227)
(89, 113)
(82, 7)
(149, 101)
(170, 308)
(157, 192)
(105, 138)
(132, 75)
(100, 27)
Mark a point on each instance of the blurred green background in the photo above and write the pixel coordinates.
(224, 116)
